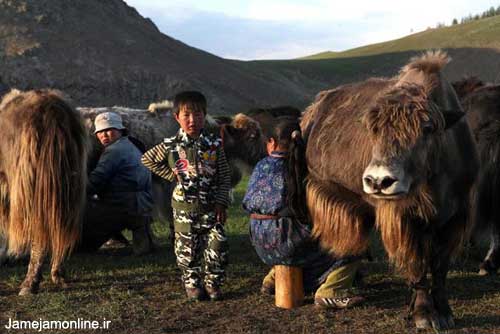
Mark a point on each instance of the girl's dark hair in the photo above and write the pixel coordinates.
(287, 134)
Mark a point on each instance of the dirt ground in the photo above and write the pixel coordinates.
(144, 295)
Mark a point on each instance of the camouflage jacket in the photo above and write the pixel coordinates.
(198, 165)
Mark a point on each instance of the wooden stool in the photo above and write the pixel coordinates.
(289, 287)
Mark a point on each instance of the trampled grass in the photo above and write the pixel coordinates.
(144, 295)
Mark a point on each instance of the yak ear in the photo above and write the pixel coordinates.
(445, 97)
(227, 129)
(229, 133)
(450, 118)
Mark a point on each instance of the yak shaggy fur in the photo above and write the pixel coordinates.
(43, 172)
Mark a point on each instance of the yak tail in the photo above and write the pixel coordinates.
(47, 185)
(340, 220)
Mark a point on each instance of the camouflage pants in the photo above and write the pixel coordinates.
(203, 237)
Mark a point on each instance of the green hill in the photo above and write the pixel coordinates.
(484, 33)
(474, 48)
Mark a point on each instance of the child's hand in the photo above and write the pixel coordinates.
(220, 214)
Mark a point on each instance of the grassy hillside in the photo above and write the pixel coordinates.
(474, 48)
(484, 33)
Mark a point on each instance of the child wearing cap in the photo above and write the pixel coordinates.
(196, 160)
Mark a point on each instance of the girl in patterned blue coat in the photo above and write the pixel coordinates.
(279, 224)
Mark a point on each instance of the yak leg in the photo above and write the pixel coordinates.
(439, 265)
(4, 216)
(171, 236)
(4, 256)
(444, 244)
(422, 307)
(162, 209)
(57, 273)
(31, 283)
(491, 262)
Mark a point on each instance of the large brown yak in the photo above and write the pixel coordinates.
(42, 179)
(394, 153)
(481, 104)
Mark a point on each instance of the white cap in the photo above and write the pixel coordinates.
(108, 120)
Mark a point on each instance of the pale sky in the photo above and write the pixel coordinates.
(279, 29)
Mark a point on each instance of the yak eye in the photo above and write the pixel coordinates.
(252, 136)
(428, 129)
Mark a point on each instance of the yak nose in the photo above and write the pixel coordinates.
(376, 184)
(383, 180)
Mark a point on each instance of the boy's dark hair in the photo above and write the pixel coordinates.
(192, 98)
(287, 134)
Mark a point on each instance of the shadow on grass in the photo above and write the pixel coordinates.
(388, 295)
(477, 321)
(473, 287)
(118, 267)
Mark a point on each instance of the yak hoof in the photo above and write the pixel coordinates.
(59, 281)
(487, 269)
(446, 322)
(434, 322)
(483, 272)
(27, 291)
(422, 323)
(427, 321)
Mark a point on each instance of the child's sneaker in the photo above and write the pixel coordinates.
(213, 293)
(195, 294)
(338, 303)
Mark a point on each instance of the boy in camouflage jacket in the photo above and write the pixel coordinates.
(196, 160)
